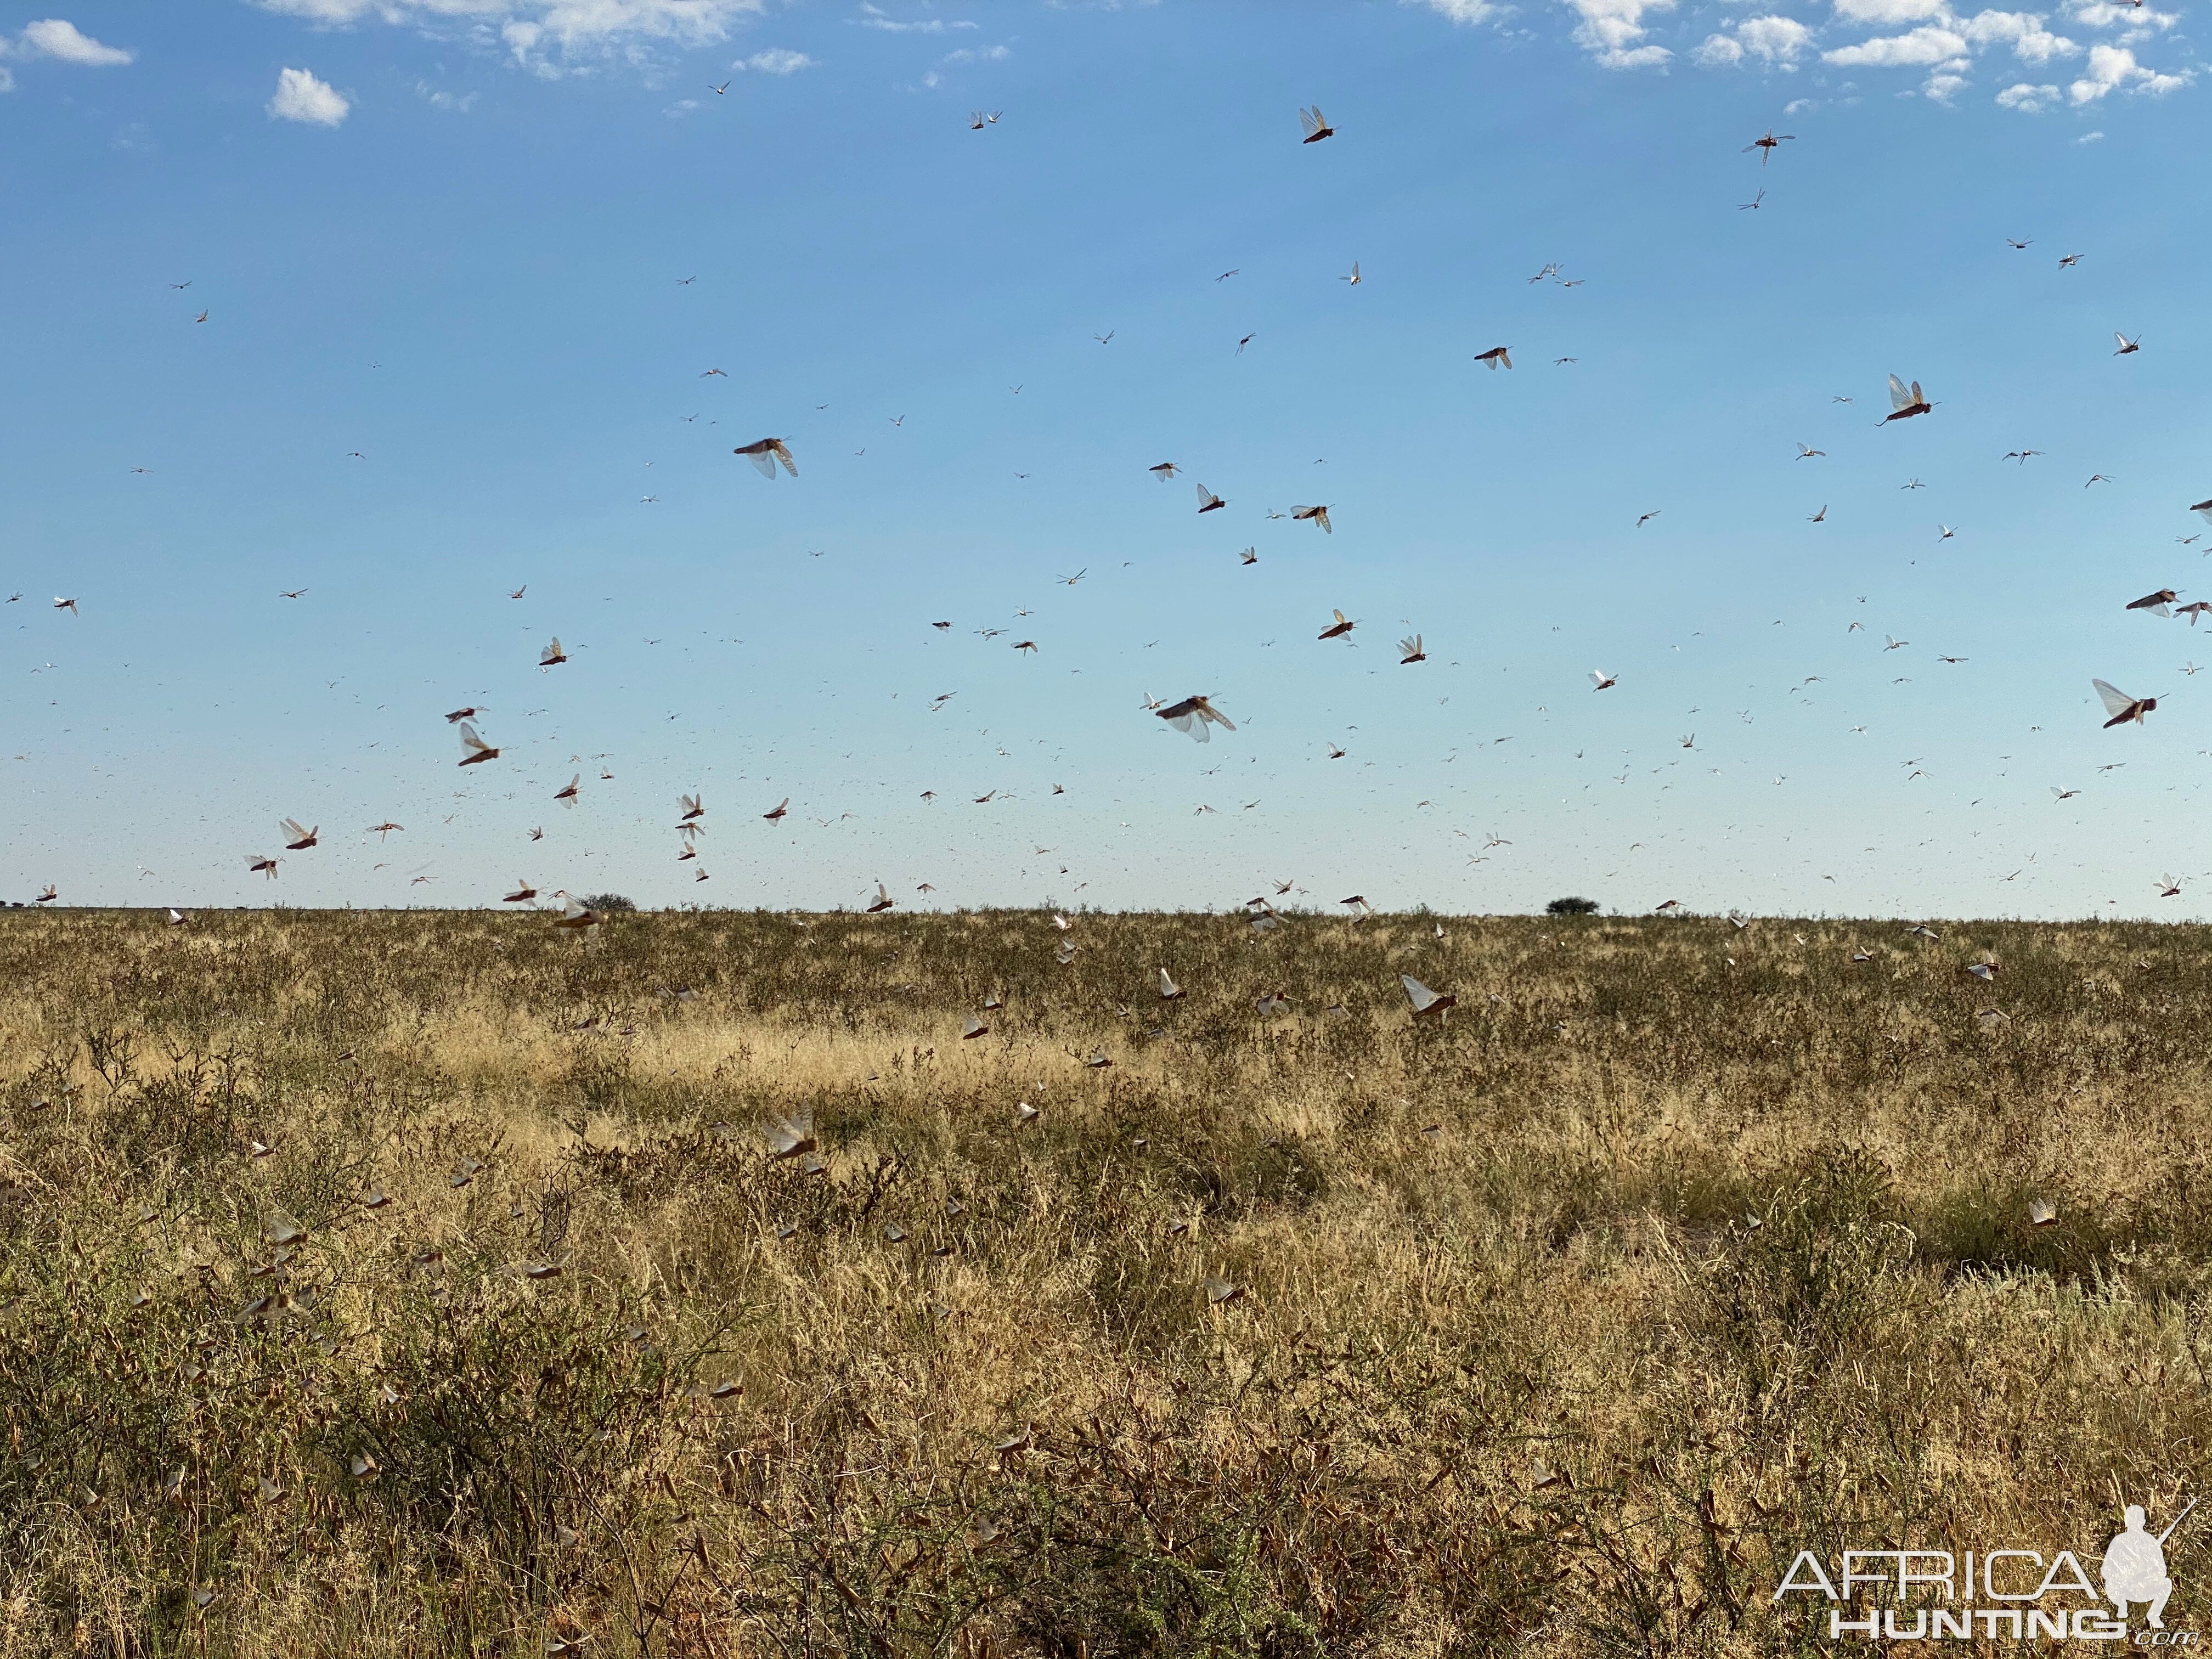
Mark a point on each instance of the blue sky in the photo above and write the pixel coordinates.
(466, 265)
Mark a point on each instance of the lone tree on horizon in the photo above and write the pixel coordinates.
(1571, 907)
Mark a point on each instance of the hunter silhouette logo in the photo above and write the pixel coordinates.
(2135, 1566)
(1933, 1595)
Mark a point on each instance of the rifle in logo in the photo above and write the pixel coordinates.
(2135, 1566)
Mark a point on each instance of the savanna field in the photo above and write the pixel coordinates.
(425, 1284)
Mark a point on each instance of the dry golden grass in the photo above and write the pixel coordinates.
(1470, 1252)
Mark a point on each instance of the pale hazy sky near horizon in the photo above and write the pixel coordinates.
(466, 265)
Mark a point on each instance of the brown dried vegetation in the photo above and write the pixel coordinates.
(1561, 1324)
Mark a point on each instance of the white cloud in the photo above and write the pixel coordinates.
(531, 28)
(1927, 35)
(2108, 68)
(1925, 45)
(302, 97)
(1889, 13)
(2031, 42)
(327, 11)
(776, 60)
(1779, 41)
(53, 37)
(1609, 29)
(875, 17)
(979, 55)
(1776, 40)
(7, 79)
(2089, 138)
(578, 26)
(2114, 68)
(2141, 23)
(438, 99)
(1460, 11)
(1948, 43)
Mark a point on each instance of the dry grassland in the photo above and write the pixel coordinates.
(1508, 1368)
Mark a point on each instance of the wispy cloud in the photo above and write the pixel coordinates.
(875, 17)
(534, 31)
(55, 37)
(2114, 69)
(2134, 22)
(775, 60)
(440, 99)
(1926, 44)
(2023, 31)
(978, 55)
(1461, 11)
(63, 41)
(352, 11)
(1927, 35)
(1946, 43)
(1889, 13)
(302, 97)
(1610, 30)
(1780, 41)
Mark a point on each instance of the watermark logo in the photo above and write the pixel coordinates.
(1936, 1596)
(2135, 1567)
